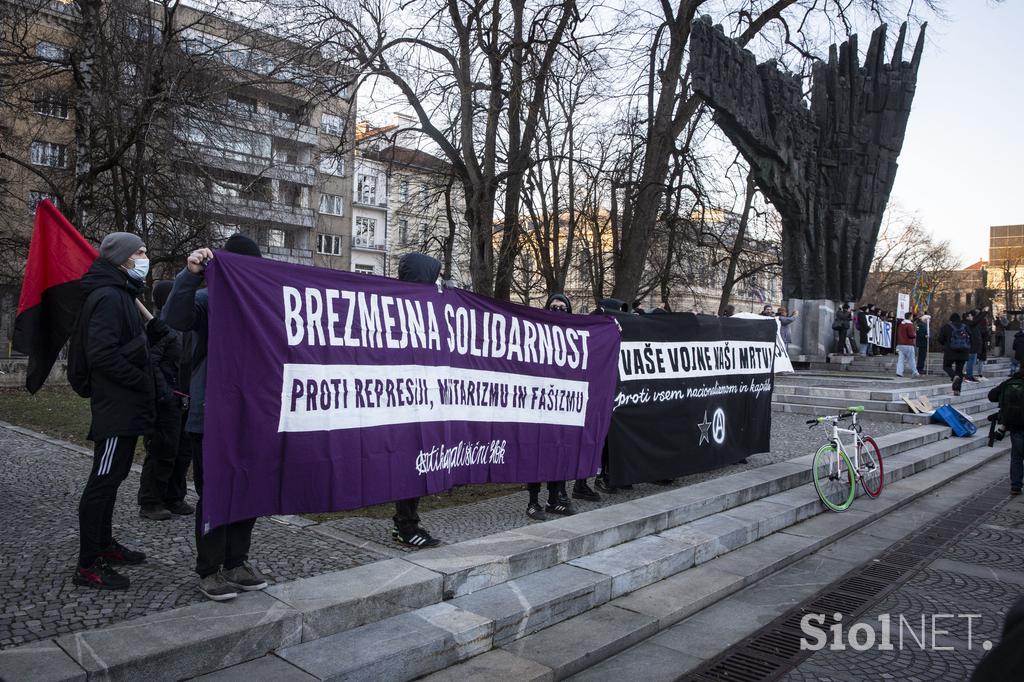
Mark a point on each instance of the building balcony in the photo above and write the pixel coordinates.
(367, 244)
(300, 174)
(263, 212)
(279, 253)
(381, 205)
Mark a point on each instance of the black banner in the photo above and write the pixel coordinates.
(694, 393)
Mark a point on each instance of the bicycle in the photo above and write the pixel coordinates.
(834, 471)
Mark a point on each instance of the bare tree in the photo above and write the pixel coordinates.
(476, 76)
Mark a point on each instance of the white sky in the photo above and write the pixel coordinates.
(961, 165)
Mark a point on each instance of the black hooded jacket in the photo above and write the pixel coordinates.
(419, 267)
(120, 372)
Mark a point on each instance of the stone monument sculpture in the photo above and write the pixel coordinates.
(828, 168)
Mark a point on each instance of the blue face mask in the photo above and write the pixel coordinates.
(138, 273)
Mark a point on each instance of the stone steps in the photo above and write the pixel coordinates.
(401, 618)
(583, 641)
(886, 364)
(536, 616)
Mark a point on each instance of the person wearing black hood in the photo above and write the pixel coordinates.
(113, 341)
(162, 484)
(414, 267)
(558, 501)
(222, 554)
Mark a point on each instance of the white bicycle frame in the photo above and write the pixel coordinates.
(833, 421)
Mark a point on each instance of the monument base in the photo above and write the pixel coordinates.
(812, 329)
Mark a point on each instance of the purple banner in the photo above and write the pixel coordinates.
(329, 390)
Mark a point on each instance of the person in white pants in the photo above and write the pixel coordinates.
(906, 345)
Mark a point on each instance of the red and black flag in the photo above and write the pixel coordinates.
(50, 294)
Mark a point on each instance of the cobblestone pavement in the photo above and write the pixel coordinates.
(790, 438)
(981, 575)
(41, 481)
(40, 484)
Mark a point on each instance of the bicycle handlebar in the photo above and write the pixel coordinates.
(853, 410)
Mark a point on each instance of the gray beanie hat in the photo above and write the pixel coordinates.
(117, 247)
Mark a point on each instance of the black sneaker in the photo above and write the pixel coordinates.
(604, 486)
(117, 554)
(582, 491)
(154, 513)
(417, 538)
(958, 382)
(562, 507)
(181, 508)
(1015, 490)
(100, 576)
(535, 512)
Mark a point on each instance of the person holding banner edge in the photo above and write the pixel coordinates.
(414, 267)
(558, 500)
(222, 553)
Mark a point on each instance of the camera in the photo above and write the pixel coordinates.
(996, 431)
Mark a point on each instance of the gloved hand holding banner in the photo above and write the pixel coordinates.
(328, 390)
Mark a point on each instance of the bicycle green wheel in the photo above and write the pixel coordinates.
(833, 478)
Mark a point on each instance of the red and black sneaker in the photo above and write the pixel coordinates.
(101, 576)
(117, 554)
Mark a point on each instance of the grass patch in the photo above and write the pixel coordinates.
(56, 411)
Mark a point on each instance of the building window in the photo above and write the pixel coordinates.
(332, 165)
(51, 104)
(51, 52)
(331, 204)
(425, 196)
(403, 189)
(967, 299)
(364, 269)
(275, 238)
(331, 124)
(35, 197)
(366, 188)
(49, 154)
(423, 233)
(365, 233)
(328, 244)
(403, 231)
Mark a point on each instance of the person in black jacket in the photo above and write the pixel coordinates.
(841, 329)
(113, 340)
(1015, 430)
(558, 500)
(414, 267)
(972, 358)
(162, 484)
(1006, 659)
(222, 553)
(953, 359)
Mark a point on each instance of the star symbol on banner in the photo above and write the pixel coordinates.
(704, 427)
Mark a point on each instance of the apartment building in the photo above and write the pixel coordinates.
(268, 152)
(406, 200)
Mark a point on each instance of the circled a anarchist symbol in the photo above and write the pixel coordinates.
(718, 426)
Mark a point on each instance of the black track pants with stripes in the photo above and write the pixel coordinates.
(111, 463)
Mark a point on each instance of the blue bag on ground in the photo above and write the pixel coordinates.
(961, 425)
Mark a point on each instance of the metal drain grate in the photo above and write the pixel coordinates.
(743, 667)
(775, 649)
